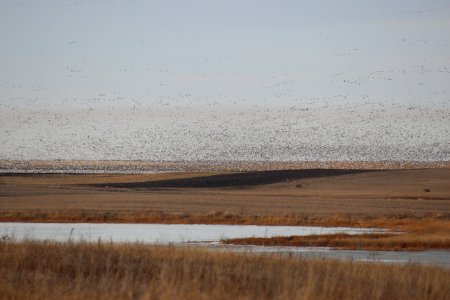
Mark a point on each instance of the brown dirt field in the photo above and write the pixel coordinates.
(373, 194)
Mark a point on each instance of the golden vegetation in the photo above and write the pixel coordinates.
(355, 242)
(49, 270)
(407, 234)
(411, 234)
(398, 222)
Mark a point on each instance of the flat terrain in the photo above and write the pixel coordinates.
(415, 202)
(418, 193)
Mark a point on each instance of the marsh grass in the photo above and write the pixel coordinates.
(399, 221)
(50, 270)
(407, 233)
(387, 242)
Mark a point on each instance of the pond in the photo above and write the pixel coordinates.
(429, 257)
(158, 233)
(209, 236)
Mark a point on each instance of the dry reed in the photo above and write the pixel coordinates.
(400, 221)
(50, 270)
(390, 242)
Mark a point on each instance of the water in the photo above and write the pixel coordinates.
(158, 233)
(209, 236)
(429, 257)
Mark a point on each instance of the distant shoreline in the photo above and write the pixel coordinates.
(144, 167)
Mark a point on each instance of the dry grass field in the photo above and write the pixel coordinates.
(416, 202)
(32, 270)
(371, 194)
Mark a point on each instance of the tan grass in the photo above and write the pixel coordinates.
(396, 242)
(395, 193)
(407, 234)
(428, 222)
(49, 270)
(419, 223)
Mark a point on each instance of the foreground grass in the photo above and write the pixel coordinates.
(49, 270)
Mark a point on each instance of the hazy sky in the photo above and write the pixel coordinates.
(60, 59)
(227, 50)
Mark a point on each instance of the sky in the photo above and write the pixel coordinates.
(225, 80)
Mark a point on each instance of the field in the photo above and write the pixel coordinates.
(106, 271)
(364, 195)
(414, 202)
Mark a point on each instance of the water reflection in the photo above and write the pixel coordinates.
(158, 233)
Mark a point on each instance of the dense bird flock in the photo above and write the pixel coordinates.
(190, 132)
(359, 104)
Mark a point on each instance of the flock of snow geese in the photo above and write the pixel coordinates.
(286, 120)
(106, 127)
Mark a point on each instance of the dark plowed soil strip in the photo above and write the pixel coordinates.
(235, 179)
